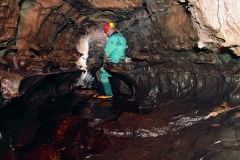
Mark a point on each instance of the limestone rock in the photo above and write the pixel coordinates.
(9, 12)
(217, 23)
(10, 83)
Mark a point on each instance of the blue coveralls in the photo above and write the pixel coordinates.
(115, 50)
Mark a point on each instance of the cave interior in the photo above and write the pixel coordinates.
(179, 88)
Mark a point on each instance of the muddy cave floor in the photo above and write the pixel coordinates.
(116, 130)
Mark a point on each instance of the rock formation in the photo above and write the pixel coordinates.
(47, 37)
(177, 49)
(217, 23)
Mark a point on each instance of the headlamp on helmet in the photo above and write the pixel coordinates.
(108, 25)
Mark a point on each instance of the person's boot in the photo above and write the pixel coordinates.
(108, 91)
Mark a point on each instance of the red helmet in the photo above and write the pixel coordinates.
(108, 25)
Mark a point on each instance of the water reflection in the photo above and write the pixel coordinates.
(116, 129)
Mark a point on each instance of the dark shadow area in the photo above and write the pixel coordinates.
(228, 51)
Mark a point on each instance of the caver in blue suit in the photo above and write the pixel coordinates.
(115, 51)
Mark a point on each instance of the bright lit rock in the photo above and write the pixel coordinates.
(115, 3)
(217, 22)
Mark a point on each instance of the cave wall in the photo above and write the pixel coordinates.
(48, 37)
(217, 23)
(159, 26)
(37, 26)
(150, 26)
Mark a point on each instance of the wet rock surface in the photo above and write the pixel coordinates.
(79, 127)
(63, 36)
(181, 65)
(212, 82)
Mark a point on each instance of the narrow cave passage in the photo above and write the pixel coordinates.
(176, 97)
